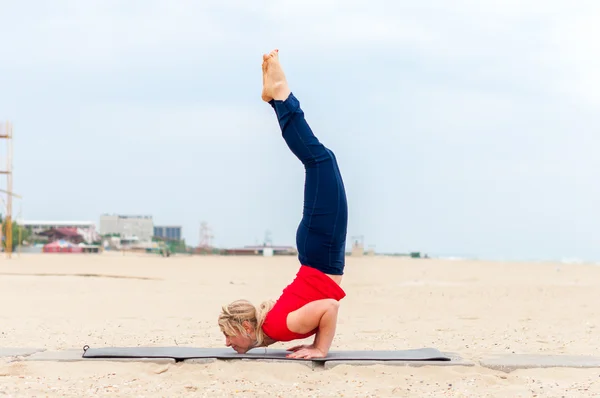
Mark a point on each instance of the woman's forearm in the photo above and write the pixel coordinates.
(326, 331)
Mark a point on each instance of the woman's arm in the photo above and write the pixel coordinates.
(320, 315)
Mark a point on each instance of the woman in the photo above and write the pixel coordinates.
(309, 305)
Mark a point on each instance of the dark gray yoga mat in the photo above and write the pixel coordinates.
(183, 353)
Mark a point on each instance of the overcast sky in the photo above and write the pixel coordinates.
(462, 128)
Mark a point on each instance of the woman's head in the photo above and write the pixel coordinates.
(241, 323)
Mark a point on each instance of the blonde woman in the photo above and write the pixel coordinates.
(309, 305)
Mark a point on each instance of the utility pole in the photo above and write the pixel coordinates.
(7, 134)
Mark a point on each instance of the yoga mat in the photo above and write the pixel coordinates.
(183, 353)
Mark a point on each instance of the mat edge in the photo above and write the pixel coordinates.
(231, 355)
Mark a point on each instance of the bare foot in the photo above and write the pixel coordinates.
(264, 96)
(275, 85)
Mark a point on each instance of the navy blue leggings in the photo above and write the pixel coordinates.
(321, 235)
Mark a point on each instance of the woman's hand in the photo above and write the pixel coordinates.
(306, 352)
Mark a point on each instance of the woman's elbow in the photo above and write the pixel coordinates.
(327, 309)
(332, 306)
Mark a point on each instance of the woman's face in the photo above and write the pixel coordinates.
(242, 343)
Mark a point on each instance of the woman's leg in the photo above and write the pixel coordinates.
(321, 235)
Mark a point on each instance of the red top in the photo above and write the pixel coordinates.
(309, 285)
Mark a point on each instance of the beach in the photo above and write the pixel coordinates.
(473, 308)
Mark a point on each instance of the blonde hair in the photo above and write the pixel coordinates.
(234, 314)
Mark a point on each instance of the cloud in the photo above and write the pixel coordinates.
(92, 34)
(577, 54)
(547, 44)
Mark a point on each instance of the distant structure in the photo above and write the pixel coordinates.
(268, 239)
(371, 251)
(169, 232)
(69, 235)
(358, 246)
(206, 236)
(7, 134)
(267, 249)
(258, 250)
(86, 229)
(127, 226)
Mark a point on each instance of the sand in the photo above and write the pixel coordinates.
(474, 308)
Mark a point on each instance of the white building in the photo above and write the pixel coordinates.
(86, 229)
(128, 226)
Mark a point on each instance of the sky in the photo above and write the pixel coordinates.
(464, 128)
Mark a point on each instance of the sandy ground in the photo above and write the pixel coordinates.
(472, 308)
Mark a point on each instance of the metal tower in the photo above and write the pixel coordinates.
(206, 237)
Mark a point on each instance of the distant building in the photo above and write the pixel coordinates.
(70, 235)
(86, 229)
(262, 251)
(168, 232)
(127, 226)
